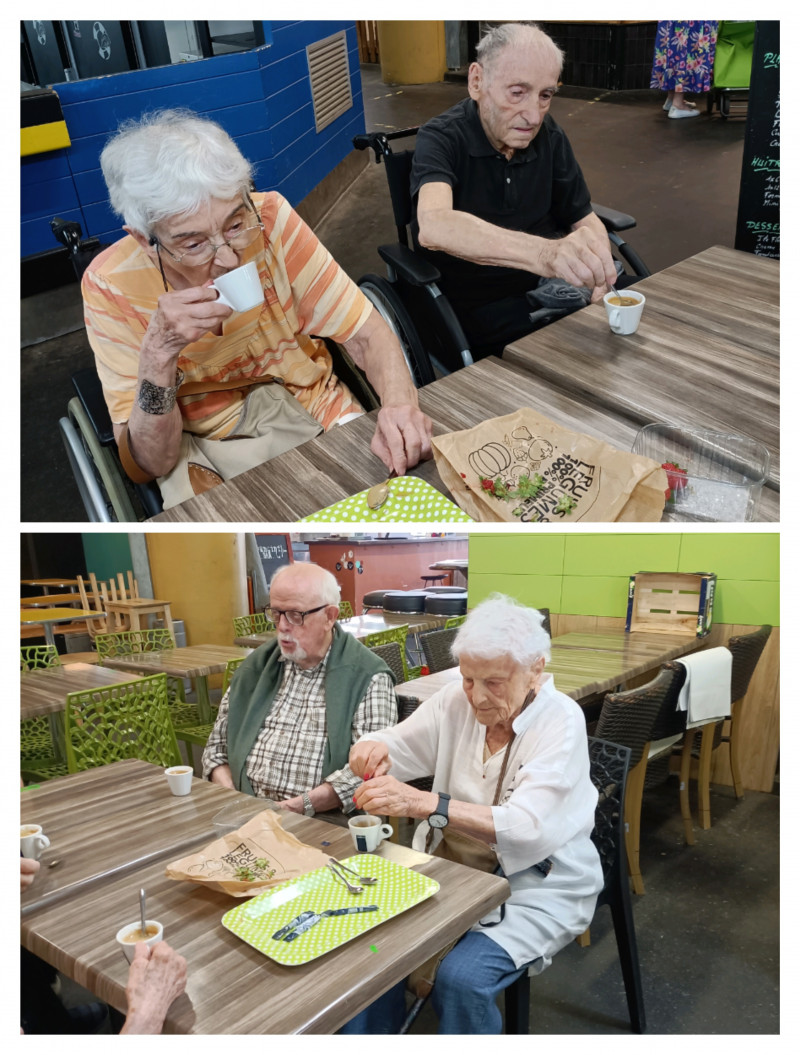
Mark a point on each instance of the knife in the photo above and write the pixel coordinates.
(306, 920)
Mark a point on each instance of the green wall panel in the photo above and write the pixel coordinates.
(519, 553)
(539, 591)
(620, 554)
(735, 556)
(751, 602)
(107, 555)
(594, 595)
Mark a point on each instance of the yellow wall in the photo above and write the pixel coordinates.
(204, 577)
(412, 52)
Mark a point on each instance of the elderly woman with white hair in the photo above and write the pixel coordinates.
(179, 368)
(510, 764)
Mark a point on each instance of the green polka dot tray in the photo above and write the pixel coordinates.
(410, 500)
(255, 921)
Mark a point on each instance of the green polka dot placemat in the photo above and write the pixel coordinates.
(255, 921)
(410, 500)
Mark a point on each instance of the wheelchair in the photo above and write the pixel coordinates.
(409, 298)
(108, 495)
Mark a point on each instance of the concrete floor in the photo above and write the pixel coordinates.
(680, 179)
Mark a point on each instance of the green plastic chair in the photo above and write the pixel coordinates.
(36, 743)
(37, 657)
(255, 623)
(455, 620)
(398, 634)
(199, 734)
(129, 720)
(345, 610)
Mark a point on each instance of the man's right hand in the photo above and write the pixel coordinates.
(581, 258)
(222, 775)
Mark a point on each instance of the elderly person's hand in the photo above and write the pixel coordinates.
(27, 872)
(369, 758)
(182, 317)
(388, 797)
(402, 438)
(582, 258)
(157, 976)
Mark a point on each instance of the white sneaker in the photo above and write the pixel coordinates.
(668, 106)
(675, 112)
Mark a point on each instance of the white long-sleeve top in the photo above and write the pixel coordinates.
(546, 809)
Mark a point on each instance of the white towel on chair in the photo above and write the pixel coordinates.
(706, 692)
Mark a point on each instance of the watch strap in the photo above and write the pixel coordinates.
(308, 805)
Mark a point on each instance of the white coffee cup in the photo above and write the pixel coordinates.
(179, 779)
(127, 936)
(368, 832)
(241, 288)
(32, 841)
(624, 318)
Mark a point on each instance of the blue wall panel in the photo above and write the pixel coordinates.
(261, 97)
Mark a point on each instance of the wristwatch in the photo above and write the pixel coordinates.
(308, 806)
(439, 818)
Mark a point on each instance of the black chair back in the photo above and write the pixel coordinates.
(746, 650)
(436, 645)
(393, 658)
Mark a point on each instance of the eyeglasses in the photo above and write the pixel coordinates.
(201, 252)
(295, 618)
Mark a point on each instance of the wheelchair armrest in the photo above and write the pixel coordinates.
(612, 219)
(408, 264)
(90, 392)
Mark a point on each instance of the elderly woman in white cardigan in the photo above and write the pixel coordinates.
(510, 762)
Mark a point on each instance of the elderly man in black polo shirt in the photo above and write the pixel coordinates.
(500, 199)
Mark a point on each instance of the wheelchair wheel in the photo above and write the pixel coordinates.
(97, 475)
(388, 304)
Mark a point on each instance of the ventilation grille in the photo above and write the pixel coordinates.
(329, 72)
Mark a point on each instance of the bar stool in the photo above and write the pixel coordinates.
(432, 580)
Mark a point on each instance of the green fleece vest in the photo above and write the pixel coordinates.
(349, 670)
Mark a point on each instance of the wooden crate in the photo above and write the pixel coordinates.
(671, 602)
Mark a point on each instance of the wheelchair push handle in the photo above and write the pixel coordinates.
(379, 141)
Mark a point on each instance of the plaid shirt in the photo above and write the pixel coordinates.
(297, 721)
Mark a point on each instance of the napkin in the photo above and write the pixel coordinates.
(410, 500)
(706, 692)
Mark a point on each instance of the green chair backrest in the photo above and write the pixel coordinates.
(129, 720)
(384, 637)
(230, 668)
(255, 623)
(455, 620)
(34, 657)
(345, 610)
(124, 642)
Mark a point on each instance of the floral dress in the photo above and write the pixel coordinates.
(684, 56)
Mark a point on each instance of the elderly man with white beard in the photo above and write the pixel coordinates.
(298, 704)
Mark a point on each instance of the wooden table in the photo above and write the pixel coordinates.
(50, 600)
(360, 626)
(48, 617)
(194, 661)
(706, 352)
(339, 463)
(581, 669)
(50, 584)
(232, 988)
(44, 692)
(458, 568)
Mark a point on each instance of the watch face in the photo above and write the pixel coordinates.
(437, 820)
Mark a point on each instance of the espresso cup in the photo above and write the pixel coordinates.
(368, 833)
(179, 779)
(32, 841)
(131, 933)
(624, 318)
(241, 288)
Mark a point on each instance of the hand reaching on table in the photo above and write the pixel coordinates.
(27, 872)
(370, 758)
(157, 976)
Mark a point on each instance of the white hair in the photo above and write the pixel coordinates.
(501, 626)
(511, 34)
(170, 162)
(329, 590)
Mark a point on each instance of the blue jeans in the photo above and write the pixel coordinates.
(469, 980)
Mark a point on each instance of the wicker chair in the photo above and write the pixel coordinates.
(392, 656)
(608, 768)
(629, 718)
(699, 747)
(398, 634)
(436, 645)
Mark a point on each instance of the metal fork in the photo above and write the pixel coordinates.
(342, 879)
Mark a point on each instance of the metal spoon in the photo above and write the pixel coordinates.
(341, 878)
(367, 880)
(141, 906)
(378, 494)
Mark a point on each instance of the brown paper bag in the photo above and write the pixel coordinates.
(524, 468)
(257, 856)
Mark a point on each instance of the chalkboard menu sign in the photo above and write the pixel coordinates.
(274, 551)
(758, 222)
